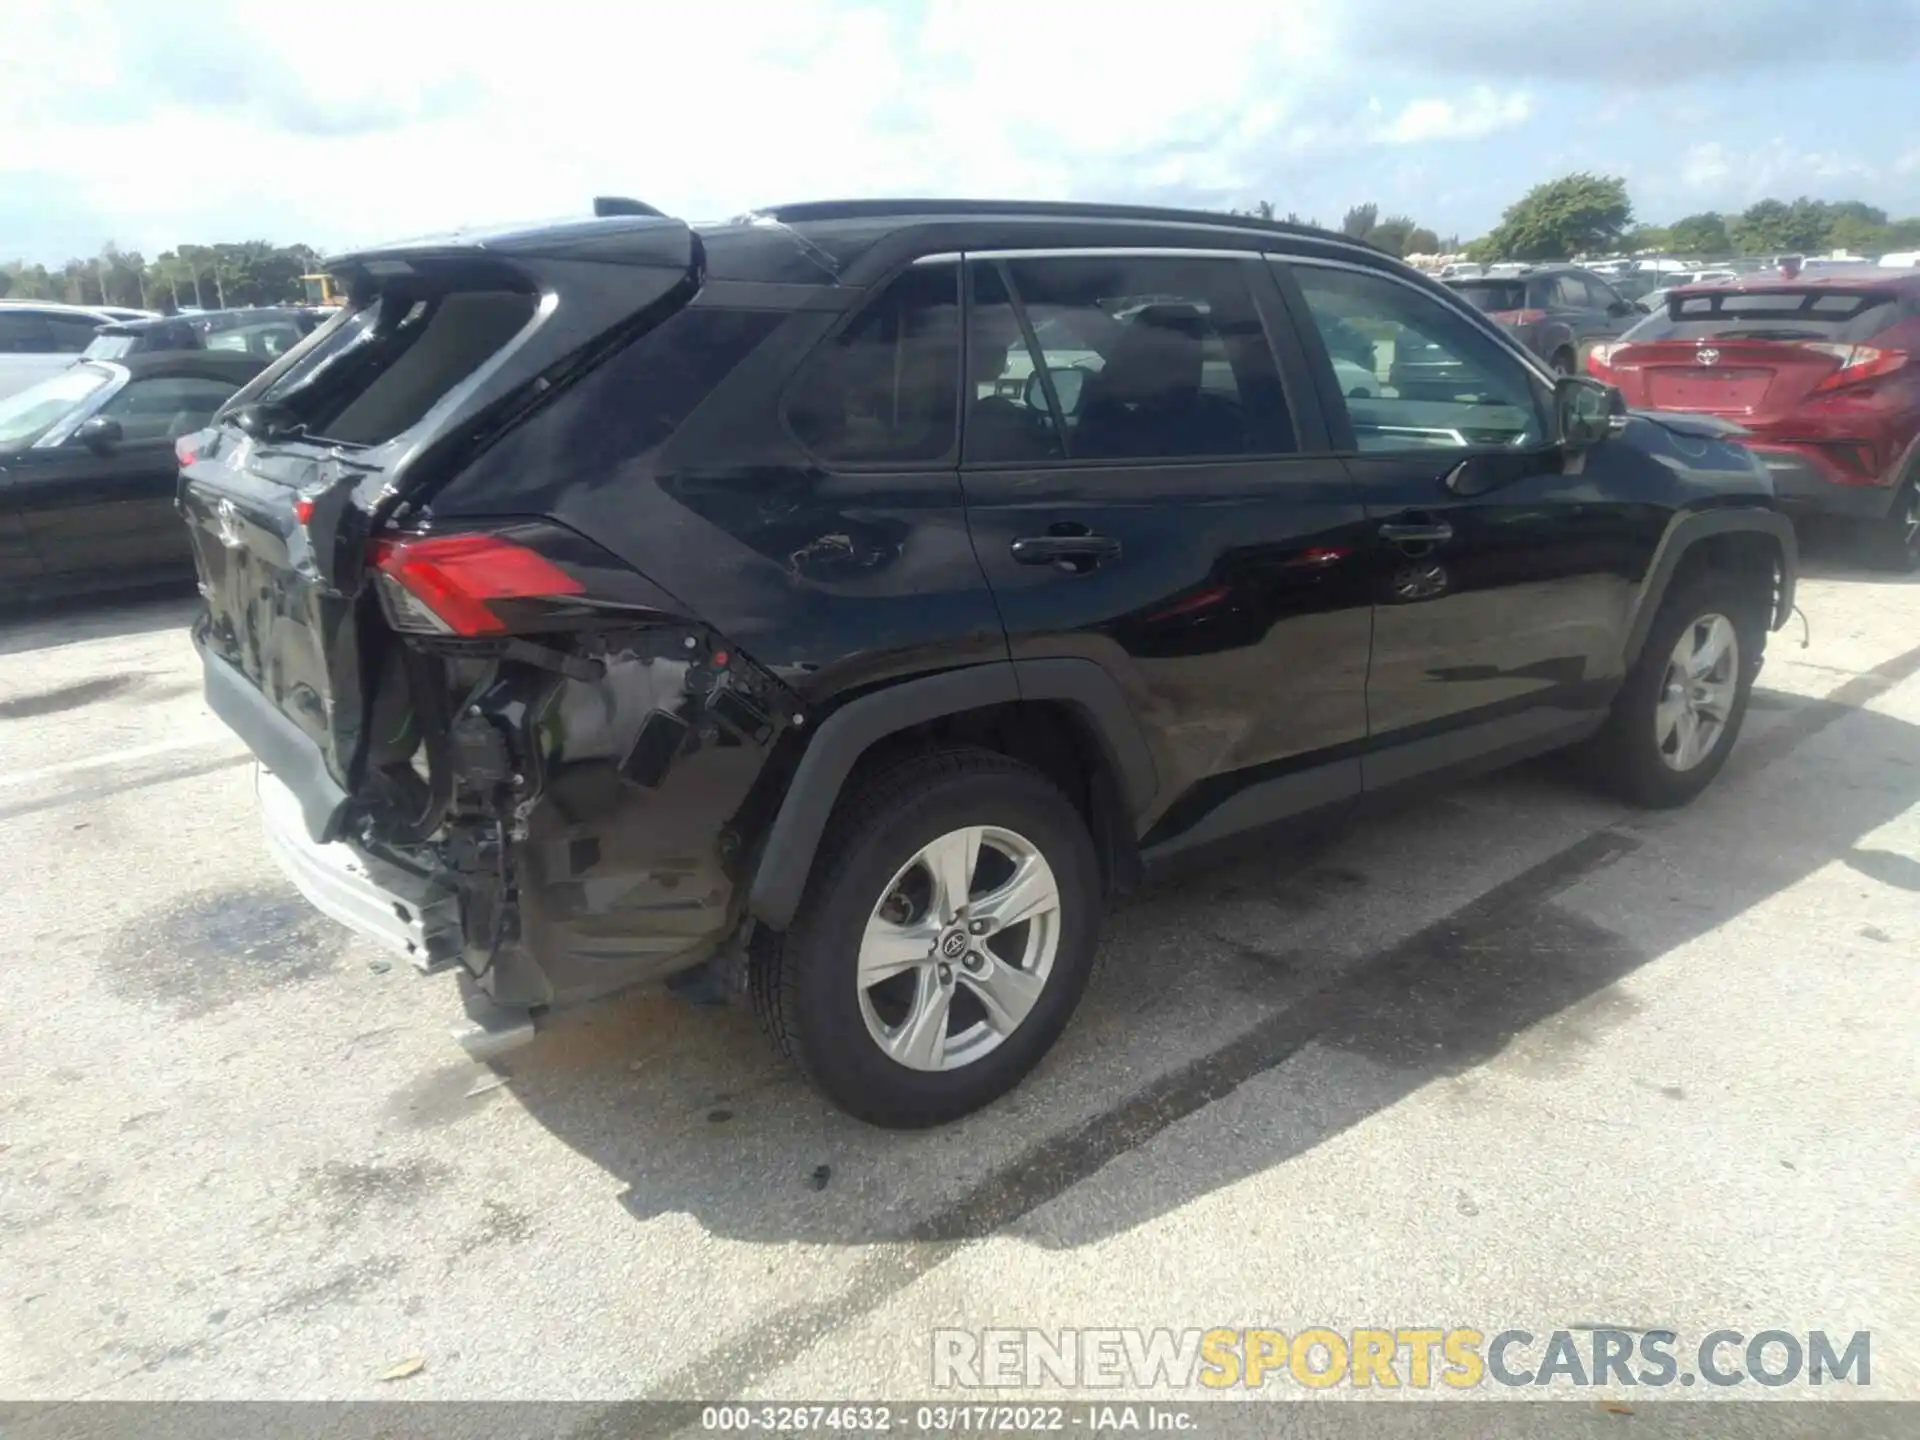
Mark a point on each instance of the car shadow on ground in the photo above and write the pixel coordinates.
(26, 628)
(687, 1108)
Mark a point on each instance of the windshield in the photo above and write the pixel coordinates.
(25, 417)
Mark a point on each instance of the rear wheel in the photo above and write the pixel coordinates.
(1679, 711)
(943, 941)
(1894, 543)
(1564, 362)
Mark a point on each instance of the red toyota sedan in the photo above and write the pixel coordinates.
(1823, 371)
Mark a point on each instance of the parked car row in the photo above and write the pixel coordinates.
(39, 339)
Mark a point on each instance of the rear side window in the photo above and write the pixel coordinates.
(1153, 358)
(381, 370)
(1813, 313)
(886, 388)
(1492, 295)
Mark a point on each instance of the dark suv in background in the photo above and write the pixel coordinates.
(852, 597)
(1559, 312)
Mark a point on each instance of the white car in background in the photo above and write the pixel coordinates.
(39, 338)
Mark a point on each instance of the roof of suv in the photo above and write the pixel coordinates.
(819, 242)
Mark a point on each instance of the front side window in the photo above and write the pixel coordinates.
(24, 333)
(885, 389)
(166, 407)
(1432, 379)
(1151, 358)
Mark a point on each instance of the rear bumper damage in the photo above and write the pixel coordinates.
(407, 912)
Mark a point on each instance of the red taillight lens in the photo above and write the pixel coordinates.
(1600, 361)
(303, 509)
(1857, 363)
(1516, 317)
(185, 449)
(447, 582)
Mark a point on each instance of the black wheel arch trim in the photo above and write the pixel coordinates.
(786, 857)
(1688, 530)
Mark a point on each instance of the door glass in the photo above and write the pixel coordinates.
(1155, 358)
(1427, 378)
(166, 406)
(1009, 418)
(885, 389)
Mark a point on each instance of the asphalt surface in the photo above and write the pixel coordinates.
(1511, 1056)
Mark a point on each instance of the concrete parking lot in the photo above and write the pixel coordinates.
(1509, 1056)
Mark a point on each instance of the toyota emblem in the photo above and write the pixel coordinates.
(954, 945)
(1707, 355)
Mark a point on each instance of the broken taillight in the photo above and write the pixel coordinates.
(447, 584)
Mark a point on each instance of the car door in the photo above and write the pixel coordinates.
(1503, 569)
(1142, 494)
(101, 505)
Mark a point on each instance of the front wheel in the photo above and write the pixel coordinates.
(943, 941)
(1679, 711)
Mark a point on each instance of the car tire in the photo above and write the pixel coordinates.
(1894, 543)
(1649, 752)
(875, 898)
(1564, 362)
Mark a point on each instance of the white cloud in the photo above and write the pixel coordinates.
(1720, 175)
(1481, 113)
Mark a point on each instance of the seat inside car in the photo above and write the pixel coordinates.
(1146, 399)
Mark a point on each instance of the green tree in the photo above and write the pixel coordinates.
(1770, 226)
(1860, 236)
(1903, 234)
(1575, 214)
(1646, 237)
(1391, 234)
(1701, 234)
(1360, 220)
(1422, 241)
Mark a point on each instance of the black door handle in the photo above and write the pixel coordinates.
(1426, 532)
(1081, 551)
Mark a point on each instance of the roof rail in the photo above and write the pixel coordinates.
(605, 205)
(1063, 209)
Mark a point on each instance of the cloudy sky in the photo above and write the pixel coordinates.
(151, 122)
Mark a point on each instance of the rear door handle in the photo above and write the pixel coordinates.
(1426, 532)
(1080, 550)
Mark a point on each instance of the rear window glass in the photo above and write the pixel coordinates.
(390, 362)
(1811, 314)
(1491, 295)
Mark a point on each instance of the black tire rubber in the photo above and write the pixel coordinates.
(803, 987)
(1886, 544)
(1624, 757)
(1565, 362)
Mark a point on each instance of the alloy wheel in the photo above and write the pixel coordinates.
(1697, 692)
(958, 950)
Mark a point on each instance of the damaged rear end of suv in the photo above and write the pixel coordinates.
(485, 741)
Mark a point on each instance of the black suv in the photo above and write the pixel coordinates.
(849, 598)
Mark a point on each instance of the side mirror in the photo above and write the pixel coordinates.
(1068, 382)
(1622, 307)
(101, 434)
(1584, 410)
(1640, 307)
